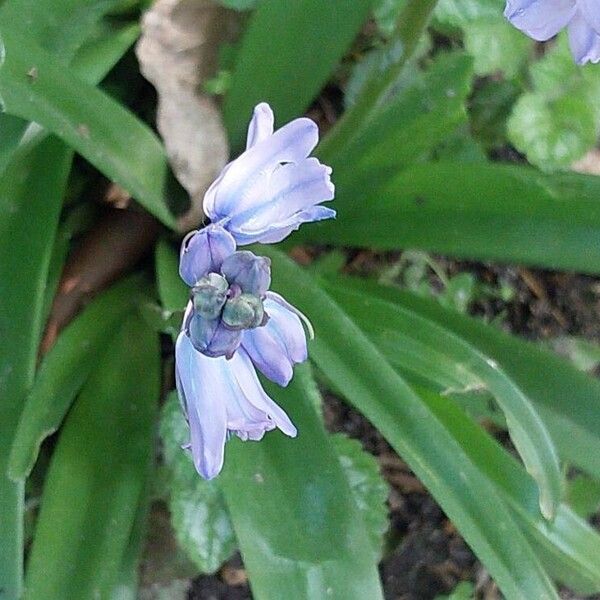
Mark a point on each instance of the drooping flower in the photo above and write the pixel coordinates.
(273, 187)
(221, 397)
(233, 323)
(543, 19)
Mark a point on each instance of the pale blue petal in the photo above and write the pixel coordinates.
(591, 12)
(278, 345)
(584, 41)
(290, 190)
(540, 19)
(292, 143)
(279, 231)
(203, 252)
(261, 125)
(202, 384)
(255, 394)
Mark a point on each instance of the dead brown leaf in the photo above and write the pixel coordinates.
(177, 52)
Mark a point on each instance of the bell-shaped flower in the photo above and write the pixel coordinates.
(280, 344)
(222, 397)
(543, 19)
(273, 187)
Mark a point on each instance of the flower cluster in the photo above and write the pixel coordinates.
(543, 19)
(233, 323)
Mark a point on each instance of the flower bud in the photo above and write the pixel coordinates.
(209, 296)
(243, 312)
(212, 338)
(250, 272)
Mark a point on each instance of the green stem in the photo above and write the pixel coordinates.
(412, 22)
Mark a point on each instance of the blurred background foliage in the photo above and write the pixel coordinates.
(449, 133)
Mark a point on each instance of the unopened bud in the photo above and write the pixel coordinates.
(209, 295)
(243, 312)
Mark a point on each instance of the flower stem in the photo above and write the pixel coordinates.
(411, 24)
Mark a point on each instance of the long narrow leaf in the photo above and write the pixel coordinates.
(282, 34)
(481, 211)
(566, 398)
(101, 461)
(64, 370)
(568, 544)
(527, 428)
(87, 119)
(300, 532)
(366, 379)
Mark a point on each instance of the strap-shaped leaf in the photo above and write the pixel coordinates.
(33, 184)
(64, 370)
(482, 211)
(289, 35)
(299, 529)
(362, 374)
(527, 429)
(101, 461)
(36, 87)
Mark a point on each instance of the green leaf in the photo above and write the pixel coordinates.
(33, 184)
(489, 107)
(386, 14)
(496, 45)
(489, 38)
(558, 120)
(566, 399)
(552, 133)
(369, 489)
(62, 27)
(127, 582)
(300, 532)
(465, 590)
(412, 23)
(567, 544)
(101, 460)
(411, 125)
(361, 372)
(459, 13)
(280, 68)
(527, 429)
(238, 4)
(583, 495)
(87, 119)
(172, 291)
(198, 511)
(480, 211)
(65, 369)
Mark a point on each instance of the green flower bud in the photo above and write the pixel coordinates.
(243, 312)
(209, 295)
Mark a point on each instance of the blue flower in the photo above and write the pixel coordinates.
(543, 19)
(233, 323)
(222, 397)
(273, 187)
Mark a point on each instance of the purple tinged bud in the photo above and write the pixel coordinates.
(212, 337)
(203, 252)
(251, 273)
